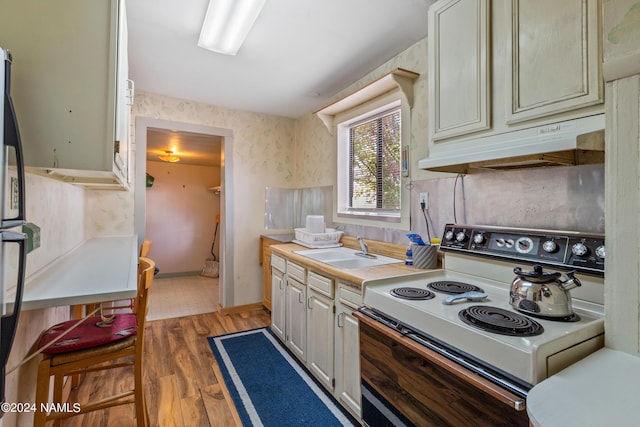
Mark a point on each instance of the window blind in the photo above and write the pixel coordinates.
(374, 162)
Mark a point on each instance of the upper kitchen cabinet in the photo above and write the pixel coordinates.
(458, 48)
(70, 88)
(517, 81)
(553, 57)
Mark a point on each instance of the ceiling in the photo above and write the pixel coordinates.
(298, 55)
(192, 148)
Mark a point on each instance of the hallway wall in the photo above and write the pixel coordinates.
(181, 214)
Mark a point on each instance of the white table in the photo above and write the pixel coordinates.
(599, 390)
(99, 269)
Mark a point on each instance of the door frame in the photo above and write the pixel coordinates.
(226, 296)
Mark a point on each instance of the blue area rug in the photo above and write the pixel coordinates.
(268, 386)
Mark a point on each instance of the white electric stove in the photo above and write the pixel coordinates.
(482, 259)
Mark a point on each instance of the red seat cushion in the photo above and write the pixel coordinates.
(90, 333)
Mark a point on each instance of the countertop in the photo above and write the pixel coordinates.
(99, 269)
(282, 238)
(356, 276)
(599, 390)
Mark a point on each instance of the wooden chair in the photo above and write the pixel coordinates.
(145, 248)
(59, 363)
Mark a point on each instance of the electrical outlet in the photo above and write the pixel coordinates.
(424, 198)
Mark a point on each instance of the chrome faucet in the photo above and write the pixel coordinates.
(365, 249)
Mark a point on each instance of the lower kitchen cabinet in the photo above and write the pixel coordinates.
(288, 305)
(278, 287)
(296, 318)
(312, 314)
(347, 349)
(320, 331)
(264, 258)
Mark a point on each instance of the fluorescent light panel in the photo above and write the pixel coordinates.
(227, 23)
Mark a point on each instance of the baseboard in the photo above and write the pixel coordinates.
(180, 274)
(239, 308)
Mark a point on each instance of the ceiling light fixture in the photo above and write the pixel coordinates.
(169, 157)
(227, 23)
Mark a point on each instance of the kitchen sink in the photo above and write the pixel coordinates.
(345, 258)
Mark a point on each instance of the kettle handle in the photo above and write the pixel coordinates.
(573, 278)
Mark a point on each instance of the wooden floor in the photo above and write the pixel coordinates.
(181, 385)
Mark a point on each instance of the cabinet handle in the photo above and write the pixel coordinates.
(309, 302)
(341, 320)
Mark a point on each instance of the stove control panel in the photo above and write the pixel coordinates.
(571, 250)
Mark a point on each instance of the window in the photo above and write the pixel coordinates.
(374, 163)
(369, 177)
(373, 134)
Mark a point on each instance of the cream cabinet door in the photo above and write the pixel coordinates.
(296, 318)
(124, 99)
(320, 337)
(348, 359)
(458, 80)
(553, 57)
(278, 303)
(70, 58)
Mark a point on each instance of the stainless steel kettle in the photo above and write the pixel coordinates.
(542, 294)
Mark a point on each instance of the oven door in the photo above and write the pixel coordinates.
(406, 383)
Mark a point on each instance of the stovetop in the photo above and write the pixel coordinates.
(519, 356)
(524, 357)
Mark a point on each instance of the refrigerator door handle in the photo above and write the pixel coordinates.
(12, 139)
(9, 322)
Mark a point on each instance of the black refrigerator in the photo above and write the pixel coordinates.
(13, 249)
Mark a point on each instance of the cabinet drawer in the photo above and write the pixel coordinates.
(278, 263)
(349, 297)
(296, 272)
(321, 284)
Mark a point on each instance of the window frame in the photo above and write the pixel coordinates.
(367, 111)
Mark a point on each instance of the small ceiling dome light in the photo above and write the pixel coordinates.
(169, 157)
(227, 23)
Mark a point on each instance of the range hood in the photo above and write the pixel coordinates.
(573, 142)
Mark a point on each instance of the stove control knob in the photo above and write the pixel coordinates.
(461, 236)
(448, 235)
(580, 249)
(550, 246)
(600, 252)
(479, 238)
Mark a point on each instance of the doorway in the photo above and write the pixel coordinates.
(184, 228)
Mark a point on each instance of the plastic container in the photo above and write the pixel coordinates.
(425, 256)
(408, 257)
(315, 224)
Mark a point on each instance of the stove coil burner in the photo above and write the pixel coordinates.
(453, 288)
(412, 293)
(493, 319)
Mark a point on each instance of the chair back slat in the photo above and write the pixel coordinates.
(146, 269)
(145, 248)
